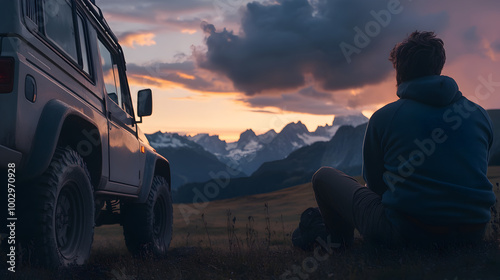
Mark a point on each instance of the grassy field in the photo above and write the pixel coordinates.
(249, 238)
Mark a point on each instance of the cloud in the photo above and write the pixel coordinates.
(313, 93)
(284, 42)
(262, 111)
(189, 31)
(132, 39)
(171, 15)
(146, 7)
(471, 35)
(307, 100)
(177, 74)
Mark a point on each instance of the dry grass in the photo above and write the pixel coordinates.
(284, 209)
(242, 238)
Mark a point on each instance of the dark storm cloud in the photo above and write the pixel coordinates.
(282, 43)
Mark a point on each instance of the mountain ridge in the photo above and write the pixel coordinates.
(252, 150)
(189, 161)
(343, 152)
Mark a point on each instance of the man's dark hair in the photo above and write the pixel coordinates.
(421, 54)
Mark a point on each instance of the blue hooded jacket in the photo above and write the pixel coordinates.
(427, 155)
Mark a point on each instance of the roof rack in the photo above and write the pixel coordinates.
(96, 12)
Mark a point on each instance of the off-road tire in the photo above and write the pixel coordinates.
(147, 227)
(63, 212)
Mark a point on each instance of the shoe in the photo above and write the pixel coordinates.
(310, 228)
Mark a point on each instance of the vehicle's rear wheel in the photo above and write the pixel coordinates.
(147, 227)
(63, 204)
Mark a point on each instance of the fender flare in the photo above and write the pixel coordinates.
(155, 165)
(46, 137)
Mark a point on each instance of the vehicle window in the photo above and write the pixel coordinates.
(127, 103)
(31, 10)
(59, 25)
(110, 75)
(112, 80)
(83, 45)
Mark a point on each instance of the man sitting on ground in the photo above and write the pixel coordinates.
(425, 160)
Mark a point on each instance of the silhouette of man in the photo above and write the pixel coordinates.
(425, 160)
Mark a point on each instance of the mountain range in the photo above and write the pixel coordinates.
(251, 150)
(194, 158)
(343, 152)
(189, 162)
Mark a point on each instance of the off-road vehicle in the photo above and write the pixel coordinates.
(69, 137)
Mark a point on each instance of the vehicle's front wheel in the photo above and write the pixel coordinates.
(63, 212)
(147, 227)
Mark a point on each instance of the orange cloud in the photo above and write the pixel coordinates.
(189, 31)
(186, 76)
(138, 39)
(179, 75)
(147, 81)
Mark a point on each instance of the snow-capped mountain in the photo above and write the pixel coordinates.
(251, 150)
(189, 162)
(243, 150)
(170, 140)
(212, 143)
(329, 131)
(267, 137)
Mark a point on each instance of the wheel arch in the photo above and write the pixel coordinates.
(162, 168)
(62, 125)
(79, 134)
(156, 165)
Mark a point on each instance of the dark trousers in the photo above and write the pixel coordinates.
(346, 204)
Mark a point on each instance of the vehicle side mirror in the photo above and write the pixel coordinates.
(144, 103)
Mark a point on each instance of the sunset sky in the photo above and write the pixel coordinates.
(224, 66)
